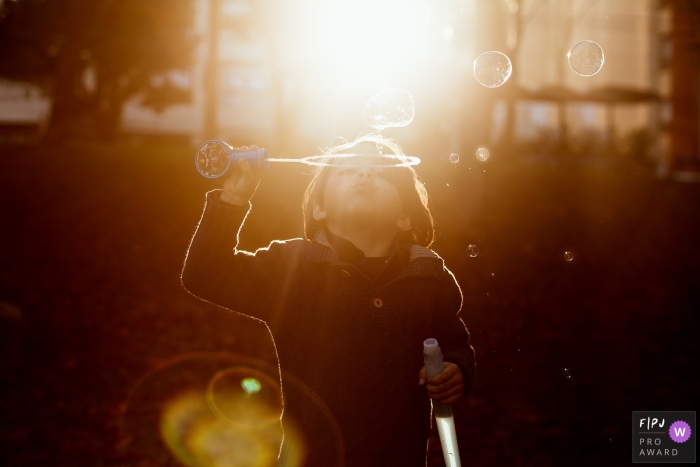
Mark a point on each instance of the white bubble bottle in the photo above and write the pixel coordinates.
(432, 357)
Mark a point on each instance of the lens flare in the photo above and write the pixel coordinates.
(218, 409)
(198, 438)
(245, 397)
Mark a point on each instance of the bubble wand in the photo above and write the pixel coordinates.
(214, 158)
(432, 357)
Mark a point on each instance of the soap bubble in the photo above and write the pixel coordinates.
(391, 107)
(361, 160)
(492, 69)
(567, 372)
(473, 251)
(454, 158)
(482, 154)
(568, 256)
(586, 58)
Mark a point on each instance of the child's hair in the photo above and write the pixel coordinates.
(414, 196)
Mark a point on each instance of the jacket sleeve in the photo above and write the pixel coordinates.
(450, 331)
(215, 271)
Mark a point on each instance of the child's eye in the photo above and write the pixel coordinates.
(347, 171)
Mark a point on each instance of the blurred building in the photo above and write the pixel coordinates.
(678, 80)
(231, 81)
(541, 33)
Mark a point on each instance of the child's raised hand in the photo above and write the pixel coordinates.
(447, 387)
(241, 185)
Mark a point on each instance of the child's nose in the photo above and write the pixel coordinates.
(368, 174)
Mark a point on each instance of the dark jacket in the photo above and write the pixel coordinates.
(356, 346)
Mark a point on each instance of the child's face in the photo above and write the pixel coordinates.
(361, 196)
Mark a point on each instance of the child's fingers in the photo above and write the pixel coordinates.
(444, 387)
(448, 373)
(422, 376)
(443, 395)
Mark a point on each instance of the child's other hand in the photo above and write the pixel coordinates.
(241, 185)
(447, 387)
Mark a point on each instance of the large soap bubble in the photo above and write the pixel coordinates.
(389, 108)
(492, 69)
(586, 58)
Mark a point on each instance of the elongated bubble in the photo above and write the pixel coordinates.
(492, 69)
(586, 58)
(391, 107)
(361, 160)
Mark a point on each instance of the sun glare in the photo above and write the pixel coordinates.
(367, 36)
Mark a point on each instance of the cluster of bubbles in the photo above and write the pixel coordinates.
(492, 69)
(482, 154)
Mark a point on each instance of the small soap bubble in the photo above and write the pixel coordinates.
(568, 256)
(586, 58)
(473, 251)
(454, 158)
(389, 108)
(482, 154)
(567, 372)
(492, 69)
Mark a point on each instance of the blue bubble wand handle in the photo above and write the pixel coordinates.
(432, 357)
(214, 158)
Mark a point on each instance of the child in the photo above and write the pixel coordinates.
(350, 305)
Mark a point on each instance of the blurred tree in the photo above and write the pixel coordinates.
(91, 56)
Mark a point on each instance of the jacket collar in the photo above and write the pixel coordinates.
(421, 261)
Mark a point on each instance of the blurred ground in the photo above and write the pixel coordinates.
(93, 240)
